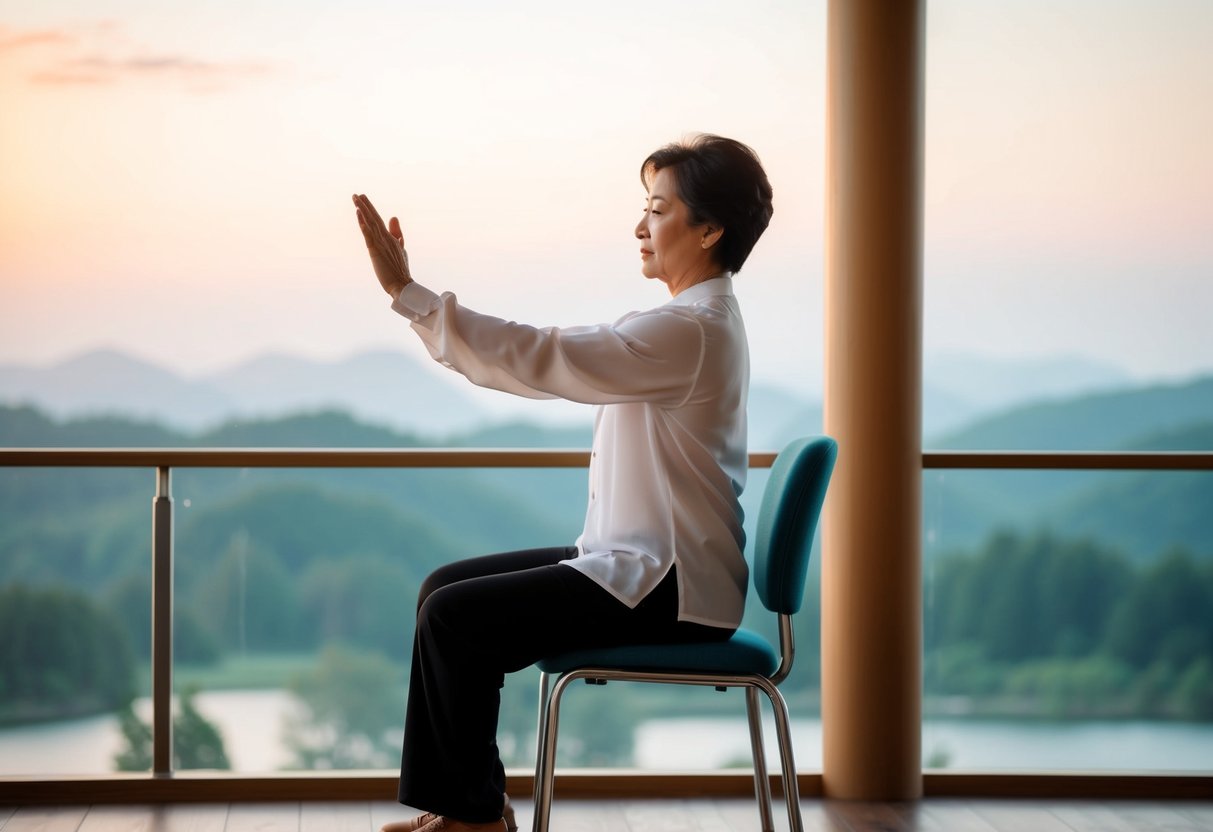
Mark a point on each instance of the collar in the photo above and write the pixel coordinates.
(715, 287)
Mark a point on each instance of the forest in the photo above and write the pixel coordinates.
(1039, 619)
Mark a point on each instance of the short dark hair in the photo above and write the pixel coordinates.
(723, 184)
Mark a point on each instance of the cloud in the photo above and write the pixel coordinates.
(198, 75)
(12, 40)
(101, 68)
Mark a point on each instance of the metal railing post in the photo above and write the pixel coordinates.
(162, 624)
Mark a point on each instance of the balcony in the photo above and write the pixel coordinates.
(1118, 777)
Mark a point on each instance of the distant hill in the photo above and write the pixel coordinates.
(106, 382)
(1117, 420)
(383, 387)
(1144, 513)
(988, 383)
(398, 391)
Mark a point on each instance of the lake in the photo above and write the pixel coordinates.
(251, 724)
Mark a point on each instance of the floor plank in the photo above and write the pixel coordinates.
(1201, 813)
(742, 816)
(335, 817)
(263, 817)
(951, 816)
(1155, 817)
(707, 815)
(120, 819)
(1019, 816)
(873, 817)
(876, 817)
(656, 816)
(385, 811)
(117, 819)
(579, 816)
(1092, 816)
(190, 817)
(46, 819)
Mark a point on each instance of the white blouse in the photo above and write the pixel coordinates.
(669, 454)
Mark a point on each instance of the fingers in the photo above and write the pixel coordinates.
(365, 204)
(373, 229)
(394, 228)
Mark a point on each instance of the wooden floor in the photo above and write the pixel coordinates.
(708, 815)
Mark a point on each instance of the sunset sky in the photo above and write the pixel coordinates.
(175, 177)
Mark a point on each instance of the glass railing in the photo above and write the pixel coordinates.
(268, 620)
(1068, 612)
(286, 580)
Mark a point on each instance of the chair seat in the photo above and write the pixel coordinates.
(746, 652)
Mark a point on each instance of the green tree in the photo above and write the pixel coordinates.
(366, 600)
(1193, 696)
(1029, 597)
(60, 655)
(129, 600)
(597, 724)
(136, 755)
(352, 712)
(1167, 615)
(197, 744)
(251, 600)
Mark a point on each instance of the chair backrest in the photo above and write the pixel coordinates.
(787, 520)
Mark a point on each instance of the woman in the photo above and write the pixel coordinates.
(660, 557)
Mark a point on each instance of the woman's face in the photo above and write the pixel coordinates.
(671, 249)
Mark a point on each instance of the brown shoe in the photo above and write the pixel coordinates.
(413, 825)
(442, 824)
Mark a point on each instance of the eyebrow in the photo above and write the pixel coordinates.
(658, 196)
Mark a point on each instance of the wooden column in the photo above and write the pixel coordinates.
(871, 567)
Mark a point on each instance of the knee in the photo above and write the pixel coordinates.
(438, 611)
(436, 580)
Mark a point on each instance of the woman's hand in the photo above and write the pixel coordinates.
(386, 247)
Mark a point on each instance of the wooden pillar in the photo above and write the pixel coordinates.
(871, 696)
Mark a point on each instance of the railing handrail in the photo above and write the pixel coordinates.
(1070, 460)
(549, 458)
(311, 457)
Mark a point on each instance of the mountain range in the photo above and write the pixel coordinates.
(388, 388)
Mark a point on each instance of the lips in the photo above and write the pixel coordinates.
(644, 252)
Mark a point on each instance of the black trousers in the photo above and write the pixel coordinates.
(481, 618)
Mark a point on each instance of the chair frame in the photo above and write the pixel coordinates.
(549, 719)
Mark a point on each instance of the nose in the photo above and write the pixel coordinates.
(642, 228)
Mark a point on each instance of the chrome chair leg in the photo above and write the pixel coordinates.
(783, 730)
(546, 769)
(540, 730)
(762, 782)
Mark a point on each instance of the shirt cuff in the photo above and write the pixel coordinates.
(415, 302)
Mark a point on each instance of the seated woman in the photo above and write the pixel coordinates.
(660, 556)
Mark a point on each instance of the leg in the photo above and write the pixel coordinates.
(499, 564)
(470, 633)
(427, 745)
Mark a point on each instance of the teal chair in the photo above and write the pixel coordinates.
(787, 521)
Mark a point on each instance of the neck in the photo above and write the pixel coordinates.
(678, 285)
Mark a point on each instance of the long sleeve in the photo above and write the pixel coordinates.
(652, 356)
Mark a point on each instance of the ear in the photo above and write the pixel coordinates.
(711, 235)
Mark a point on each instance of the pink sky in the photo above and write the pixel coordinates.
(174, 181)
